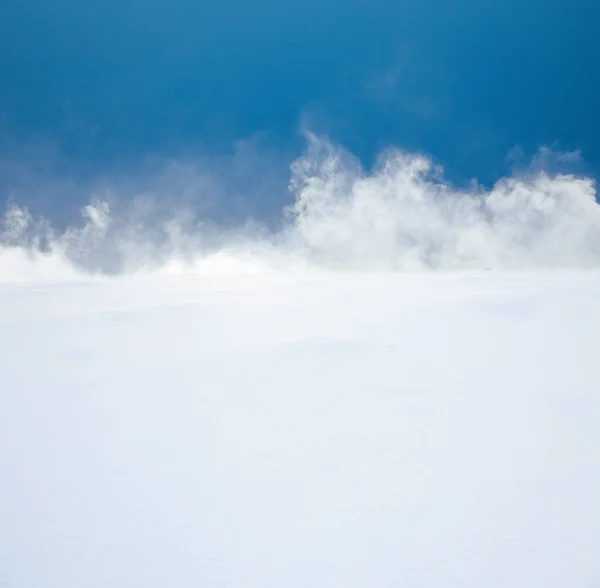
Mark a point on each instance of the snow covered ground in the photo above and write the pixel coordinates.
(301, 430)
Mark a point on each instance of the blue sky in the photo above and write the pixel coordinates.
(468, 82)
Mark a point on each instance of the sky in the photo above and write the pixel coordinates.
(94, 91)
(301, 429)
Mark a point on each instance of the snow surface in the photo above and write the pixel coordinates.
(312, 430)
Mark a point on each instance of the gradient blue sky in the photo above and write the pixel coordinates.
(467, 81)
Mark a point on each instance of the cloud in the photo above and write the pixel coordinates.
(399, 215)
(402, 215)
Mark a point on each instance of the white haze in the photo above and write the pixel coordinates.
(400, 215)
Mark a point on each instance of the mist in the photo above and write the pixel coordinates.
(399, 215)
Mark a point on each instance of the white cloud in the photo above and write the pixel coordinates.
(401, 215)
